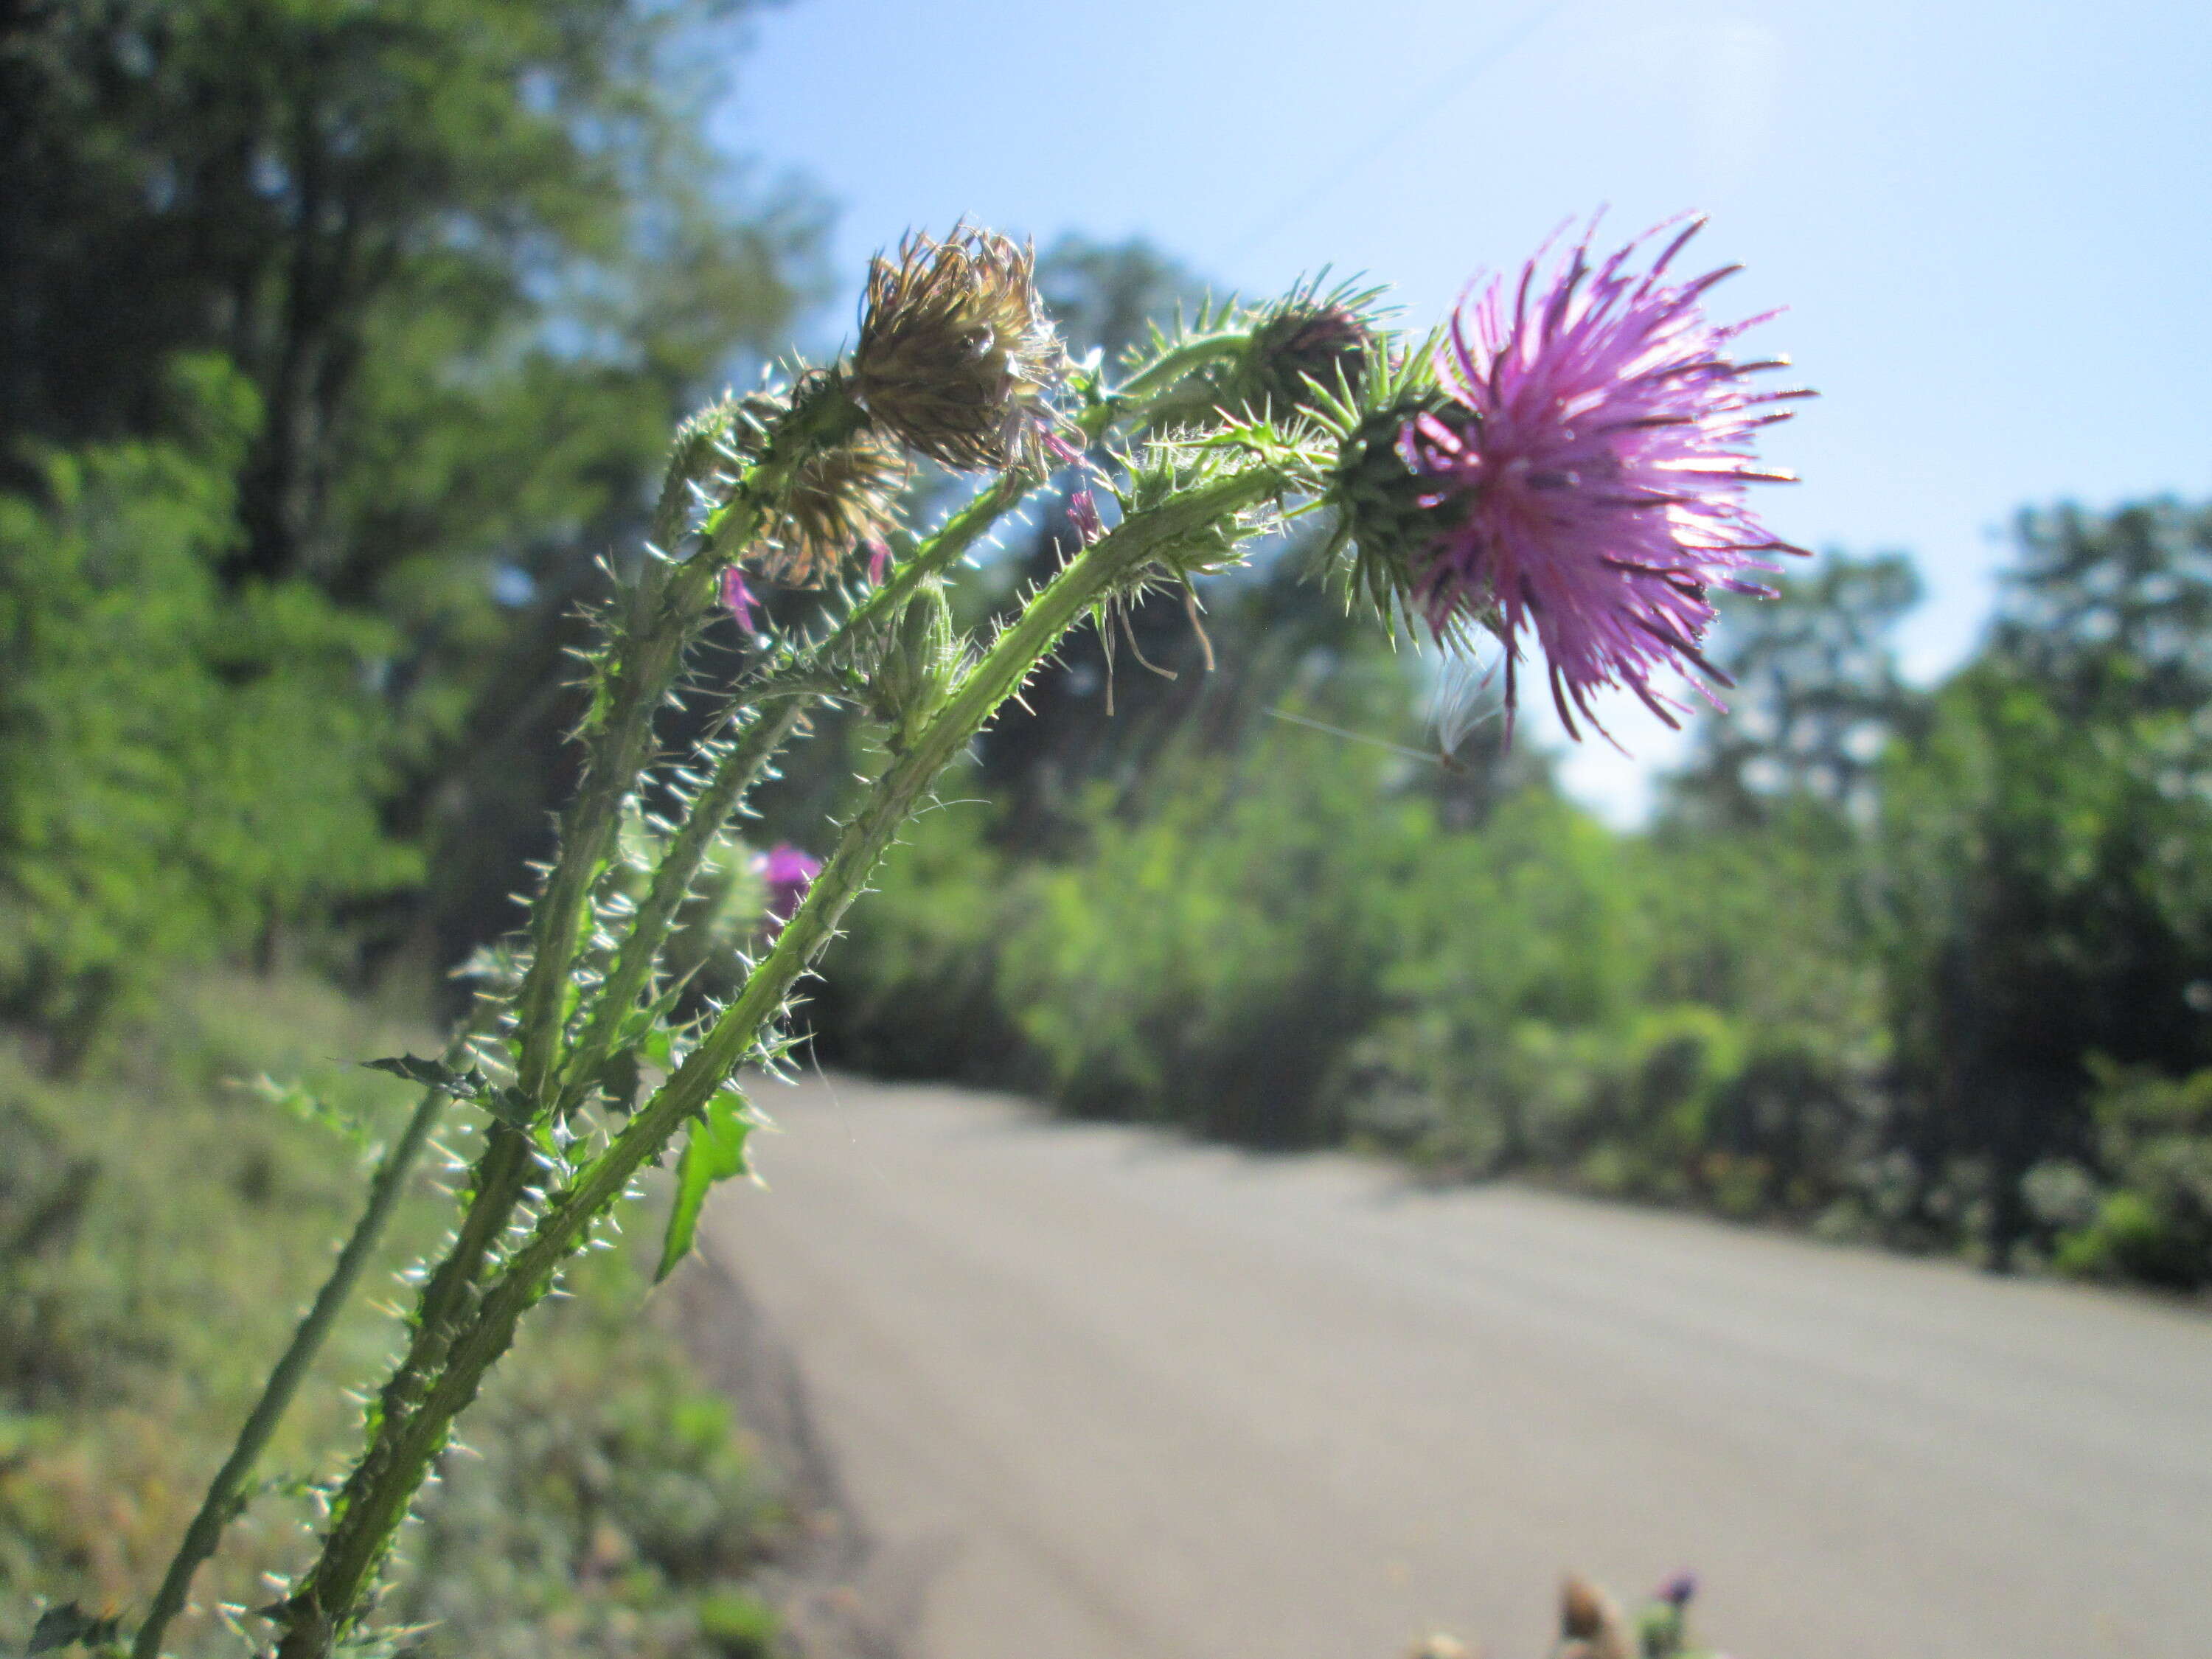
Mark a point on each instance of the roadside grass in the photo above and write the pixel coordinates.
(161, 1225)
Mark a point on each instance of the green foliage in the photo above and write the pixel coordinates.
(2044, 903)
(913, 991)
(1818, 693)
(470, 258)
(152, 1257)
(2147, 1212)
(183, 768)
(1927, 967)
(1209, 962)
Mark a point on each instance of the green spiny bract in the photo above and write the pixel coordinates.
(1268, 362)
(1170, 470)
(1384, 527)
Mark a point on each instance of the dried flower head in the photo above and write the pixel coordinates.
(839, 498)
(1591, 1626)
(957, 357)
(1597, 466)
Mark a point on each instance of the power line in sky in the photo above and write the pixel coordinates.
(1440, 92)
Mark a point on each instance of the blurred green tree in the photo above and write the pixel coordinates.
(184, 767)
(471, 257)
(2042, 853)
(1817, 695)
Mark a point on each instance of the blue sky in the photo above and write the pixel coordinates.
(1990, 221)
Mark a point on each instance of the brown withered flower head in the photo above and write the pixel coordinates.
(957, 357)
(839, 498)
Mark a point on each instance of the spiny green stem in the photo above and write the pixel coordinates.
(357, 1541)
(662, 608)
(1160, 375)
(203, 1536)
(662, 616)
(940, 553)
(665, 605)
(743, 762)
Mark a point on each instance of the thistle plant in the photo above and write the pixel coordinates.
(1508, 480)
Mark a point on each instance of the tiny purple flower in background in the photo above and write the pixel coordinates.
(738, 599)
(787, 873)
(1678, 1591)
(1598, 487)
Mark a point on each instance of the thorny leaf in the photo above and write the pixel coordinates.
(68, 1625)
(714, 1151)
(471, 1084)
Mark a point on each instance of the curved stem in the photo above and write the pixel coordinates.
(222, 1503)
(357, 1541)
(663, 607)
(744, 761)
(1160, 375)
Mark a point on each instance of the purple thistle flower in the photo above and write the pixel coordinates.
(787, 873)
(1596, 480)
(1678, 1590)
(738, 599)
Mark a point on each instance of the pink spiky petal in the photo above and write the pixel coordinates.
(1600, 486)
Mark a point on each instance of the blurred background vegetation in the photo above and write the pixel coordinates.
(342, 343)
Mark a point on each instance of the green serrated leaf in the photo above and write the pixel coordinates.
(68, 1625)
(714, 1151)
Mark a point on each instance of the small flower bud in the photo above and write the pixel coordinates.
(738, 599)
(1591, 1623)
(1083, 514)
(912, 681)
(957, 357)
(1302, 344)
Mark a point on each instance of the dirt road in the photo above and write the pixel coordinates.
(1099, 1393)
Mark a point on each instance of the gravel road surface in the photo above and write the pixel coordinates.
(1096, 1393)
